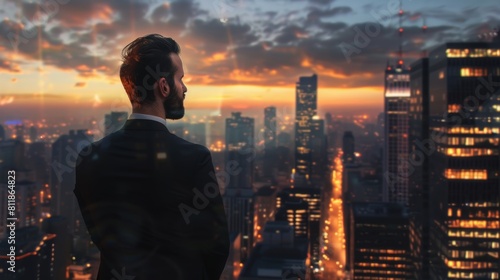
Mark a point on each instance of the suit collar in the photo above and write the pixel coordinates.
(142, 124)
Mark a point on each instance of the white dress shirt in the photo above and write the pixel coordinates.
(137, 116)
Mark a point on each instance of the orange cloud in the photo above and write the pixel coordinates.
(6, 100)
(216, 57)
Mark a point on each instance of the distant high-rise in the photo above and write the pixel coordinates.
(319, 155)
(264, 210)
(20, 132)
(305, 110)
(270, 163)
(114, 121)
(396, 101)
(348, 147)
(331, 134)
(238, 196)
(290, 207)
(270, 127)
(33, 133)
(464, 164)
(240, 149)
(28, 208)
(295, 211)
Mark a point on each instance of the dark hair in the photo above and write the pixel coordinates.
(145, 60)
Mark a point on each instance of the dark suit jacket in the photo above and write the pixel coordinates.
(151, 203)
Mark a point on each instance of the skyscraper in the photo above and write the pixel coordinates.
(464, 177)
(270, 127)
(238, 195)
(305, 109)
(269, 165)
(264, 210)
(419, 171)
(288, 200)
(319, 155)
(240, 149)
(396, 103)
(378, 241)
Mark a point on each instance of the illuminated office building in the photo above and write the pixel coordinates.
(378, 246)
(264, 210)
(305, 110)
(310, 227)
(396, 103)
(464, 164)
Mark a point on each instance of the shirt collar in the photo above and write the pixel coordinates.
(137, 116)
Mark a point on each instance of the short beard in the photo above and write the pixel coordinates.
(173, 105)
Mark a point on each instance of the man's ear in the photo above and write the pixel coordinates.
(163, 87)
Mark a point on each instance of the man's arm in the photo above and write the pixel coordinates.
(213, 217)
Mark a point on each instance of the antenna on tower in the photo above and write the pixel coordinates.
(400, 56)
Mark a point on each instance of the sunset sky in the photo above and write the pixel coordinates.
(61, 57)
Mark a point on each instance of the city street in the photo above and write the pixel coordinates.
(333, 251)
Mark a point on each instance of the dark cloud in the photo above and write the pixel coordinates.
(290, 34)
(322, 2)
(269, 48)
(161, 13)
(80, 84)
(214, 36)
(317, 13)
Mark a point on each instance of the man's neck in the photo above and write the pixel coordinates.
(149, 110)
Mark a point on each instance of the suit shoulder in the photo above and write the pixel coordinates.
(185, 144)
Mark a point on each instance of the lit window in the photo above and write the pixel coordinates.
(466, 174)
(473, 72)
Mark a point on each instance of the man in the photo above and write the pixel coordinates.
(150, 199)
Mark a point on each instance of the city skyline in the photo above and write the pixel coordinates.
(239, 55)
(347, 140)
